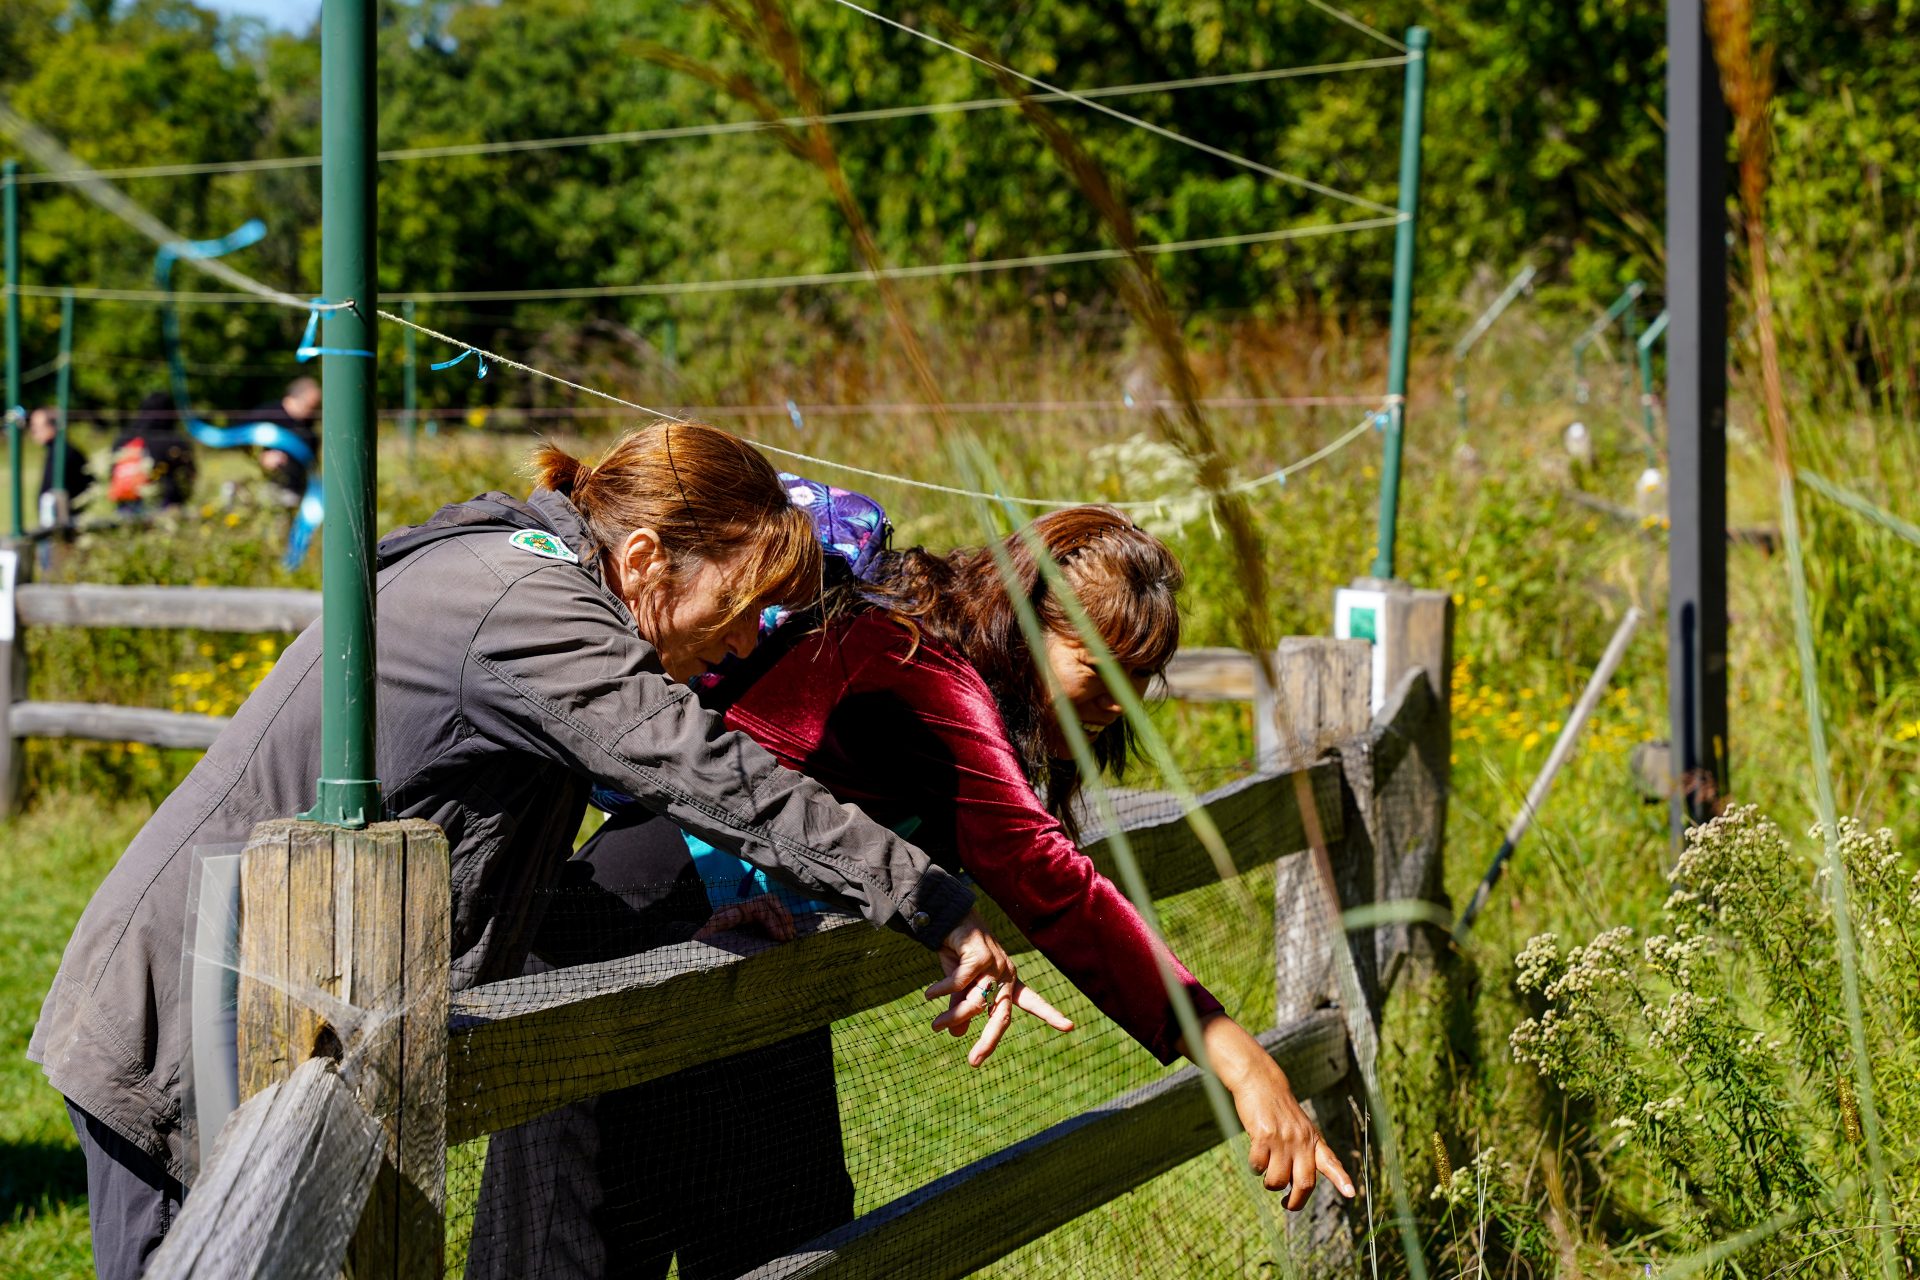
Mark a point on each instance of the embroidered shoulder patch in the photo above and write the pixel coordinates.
(542, 543)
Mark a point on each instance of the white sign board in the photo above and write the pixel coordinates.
(9, 574)
(1362, 615)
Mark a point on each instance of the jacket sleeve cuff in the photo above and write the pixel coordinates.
(1166, 1045)
(936, 905)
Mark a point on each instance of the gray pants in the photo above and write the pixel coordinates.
(130, 1199)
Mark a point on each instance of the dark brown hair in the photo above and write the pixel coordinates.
(1125, 578)
(708, 495)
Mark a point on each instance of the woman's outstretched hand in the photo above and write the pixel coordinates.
(1286, 1146)
(981, 975)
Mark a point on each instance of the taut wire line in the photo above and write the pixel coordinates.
(804, 280)
(52, 156)
(1292, 179)
(671, 133)
(492, 357)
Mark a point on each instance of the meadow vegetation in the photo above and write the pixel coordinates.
(1542, 1177)
(1640, 1057)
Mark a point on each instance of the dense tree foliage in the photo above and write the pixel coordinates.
(1544, 138)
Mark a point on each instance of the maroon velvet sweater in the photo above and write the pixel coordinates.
(913, 734)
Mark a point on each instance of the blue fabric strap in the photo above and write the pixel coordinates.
(307, 350)
(251, 435)
(448, 364)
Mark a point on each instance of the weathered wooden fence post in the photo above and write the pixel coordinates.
(1324, 698)
(1411, 773)
(344, 954)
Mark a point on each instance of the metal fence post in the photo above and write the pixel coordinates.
(63, 395)
(11, 181)
(1696, 415)
(1413, 113)
(348, 792)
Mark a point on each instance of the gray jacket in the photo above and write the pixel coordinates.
(510, 682)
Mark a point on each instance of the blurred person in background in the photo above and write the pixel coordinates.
(152, 458)
(298, 413)
(56, 505)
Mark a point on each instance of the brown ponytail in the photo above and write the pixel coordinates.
(707, 494)
(558, 470)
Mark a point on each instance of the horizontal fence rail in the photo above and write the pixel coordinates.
(512, 1052)
(1198, 675)
(985, 1211)
(245, 609)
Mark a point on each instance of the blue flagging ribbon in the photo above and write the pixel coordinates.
(271, 435)
(448, 364)
(793, 411)
(722, 874)
(307, 349)
(257, 435)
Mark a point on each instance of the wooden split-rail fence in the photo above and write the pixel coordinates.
(1195, 675)
(359, 1064)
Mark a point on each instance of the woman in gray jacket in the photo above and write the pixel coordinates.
(526, 651)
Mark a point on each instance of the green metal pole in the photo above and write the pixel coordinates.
(348, 792)
(411, 391)
(1411, 121)
(13, 408)
(1622, 306)
(62, 395)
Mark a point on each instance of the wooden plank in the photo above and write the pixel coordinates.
(344, 943)
(260, 1036)
(1407, 813)
(515, 1047)
(105, 723)
(402, 868)
(428, 925)
(956, 1225)
(282, 1188)
(245, 609)
(1326, 693)
(1208, 675)
(316, 1009)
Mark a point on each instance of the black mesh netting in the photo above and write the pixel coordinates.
(718, 1168)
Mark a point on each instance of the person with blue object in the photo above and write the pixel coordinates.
(296, 412)
(914, 695)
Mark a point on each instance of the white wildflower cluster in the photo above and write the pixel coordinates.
(1575, 988)
(1886, 898)
(1740, 858)
(1660, 1111)
(1673, 956)
(1680, 1023)
(1538, 962)
(1147, 466)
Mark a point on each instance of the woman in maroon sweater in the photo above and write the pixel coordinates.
(922, 704)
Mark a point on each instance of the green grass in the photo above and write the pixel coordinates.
(53, 857)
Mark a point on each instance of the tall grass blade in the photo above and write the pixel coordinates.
(973, 462)
(1747, 77)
